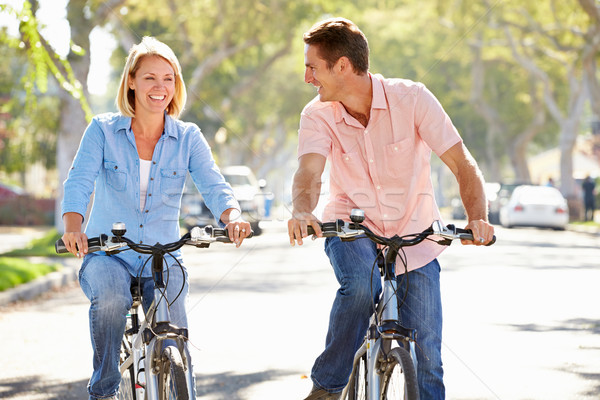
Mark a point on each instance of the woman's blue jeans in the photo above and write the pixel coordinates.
(106, 283)
(353, 264)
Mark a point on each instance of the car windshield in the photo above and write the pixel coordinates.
(539, 195)
(237, 180)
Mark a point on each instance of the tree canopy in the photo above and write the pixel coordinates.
(514, 76)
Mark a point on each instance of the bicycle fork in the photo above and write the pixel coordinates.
(147, 348)
(380, 338)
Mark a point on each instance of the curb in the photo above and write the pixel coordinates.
(43, 284)
(592, 230)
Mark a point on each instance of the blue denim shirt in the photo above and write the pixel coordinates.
(107, 163)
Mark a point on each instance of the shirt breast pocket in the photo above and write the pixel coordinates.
(399, 159)
(172, 181)
(116, 175)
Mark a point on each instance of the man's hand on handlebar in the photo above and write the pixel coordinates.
(76, 243)
(483, 232)
(297, 226)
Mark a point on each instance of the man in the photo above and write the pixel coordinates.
(589, 192)
(378, 134)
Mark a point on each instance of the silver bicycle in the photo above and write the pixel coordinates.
(154, 360)
(385, 364)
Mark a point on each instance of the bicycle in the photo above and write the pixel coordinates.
(154, 360)
(385, 365)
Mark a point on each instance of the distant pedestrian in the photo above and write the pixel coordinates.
(550, 182)
(589, 192)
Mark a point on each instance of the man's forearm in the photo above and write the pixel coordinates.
(305, 192)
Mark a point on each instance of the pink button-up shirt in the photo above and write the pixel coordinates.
(384, 168)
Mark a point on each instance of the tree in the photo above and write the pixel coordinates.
(557, 36)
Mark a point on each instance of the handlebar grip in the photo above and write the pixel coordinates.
(222, 233)
(467, 234)
(94, 244)
(59, 247)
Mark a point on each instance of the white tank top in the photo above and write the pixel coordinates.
(144, 178)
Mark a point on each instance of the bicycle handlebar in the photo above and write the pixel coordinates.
(349, 231)
(197, 236)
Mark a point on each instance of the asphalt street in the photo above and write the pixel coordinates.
(521, 321)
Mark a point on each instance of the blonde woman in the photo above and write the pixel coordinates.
(136, 162)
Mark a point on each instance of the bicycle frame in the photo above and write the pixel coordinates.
(384, 330)
(148, 338)
(145, 348)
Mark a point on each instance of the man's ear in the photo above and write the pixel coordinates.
(344, 64)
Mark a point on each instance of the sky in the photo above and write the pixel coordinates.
(52, 15)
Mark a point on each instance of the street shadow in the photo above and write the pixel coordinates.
(232, 386)
(573, 325)
(42, 389)
(570, 325)
(594, 390)
(226, 386)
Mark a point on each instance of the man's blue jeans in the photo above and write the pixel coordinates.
(106, 283)
(359, 279)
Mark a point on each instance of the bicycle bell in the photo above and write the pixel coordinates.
(118, 229)
(357, 215)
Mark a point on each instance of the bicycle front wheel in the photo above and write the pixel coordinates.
(171, 379)
(400, 378)
(357, 386)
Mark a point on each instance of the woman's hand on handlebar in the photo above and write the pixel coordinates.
(238, 230)
(76, 243)
(297, 226)
(483, 232)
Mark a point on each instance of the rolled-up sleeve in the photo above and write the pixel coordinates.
(311, 136)
(217, 193)
(79, 185)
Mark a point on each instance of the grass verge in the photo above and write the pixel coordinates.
(15, 270)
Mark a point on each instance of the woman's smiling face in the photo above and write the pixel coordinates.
(154, 85)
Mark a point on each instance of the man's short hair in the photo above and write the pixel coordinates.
(339, 37)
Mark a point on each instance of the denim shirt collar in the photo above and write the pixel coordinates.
(124, 124)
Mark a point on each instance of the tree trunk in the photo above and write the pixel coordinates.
(72, 118)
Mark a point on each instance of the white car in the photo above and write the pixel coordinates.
(540, 206)
(249, 193)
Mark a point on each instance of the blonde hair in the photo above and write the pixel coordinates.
(150, 46)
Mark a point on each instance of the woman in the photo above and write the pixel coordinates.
(136, 162)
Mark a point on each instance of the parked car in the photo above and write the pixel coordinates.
(10, 191)
(500, 199)
(247, 190)
(539, 206)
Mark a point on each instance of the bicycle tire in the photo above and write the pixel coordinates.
(171, 378)
(127, 385)
(400, 378)
(357, 386)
